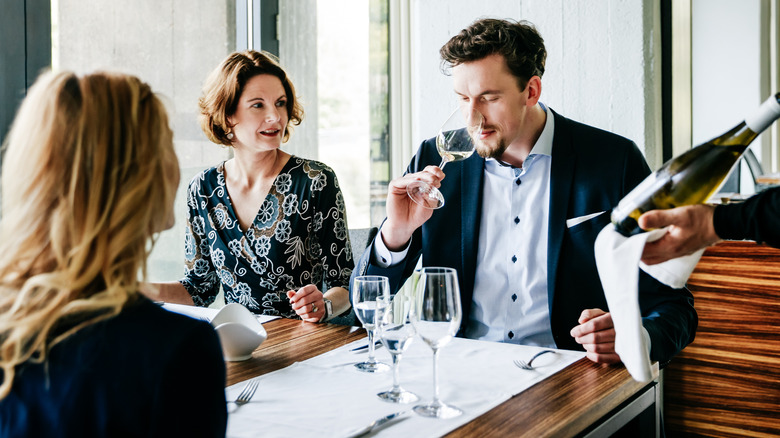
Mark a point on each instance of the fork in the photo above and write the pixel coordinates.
(247, 393)
(527, 365)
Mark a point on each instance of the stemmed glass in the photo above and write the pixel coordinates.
(436, 316)
(455, 142)
(370, 296)
(396, 331)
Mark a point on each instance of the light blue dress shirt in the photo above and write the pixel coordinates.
(510, 288)
(510, 302)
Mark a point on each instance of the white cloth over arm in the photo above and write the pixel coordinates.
(617, 259)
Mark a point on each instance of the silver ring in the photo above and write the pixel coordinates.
(313, 308)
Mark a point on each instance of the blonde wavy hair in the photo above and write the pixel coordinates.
(224, 86)
(88, 179)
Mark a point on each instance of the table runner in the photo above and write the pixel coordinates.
(325, 396)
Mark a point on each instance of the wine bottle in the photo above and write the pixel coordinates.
(694, 176)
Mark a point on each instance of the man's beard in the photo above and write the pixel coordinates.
(486, 151)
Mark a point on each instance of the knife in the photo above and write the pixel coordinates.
(374, 424)
(377, 344)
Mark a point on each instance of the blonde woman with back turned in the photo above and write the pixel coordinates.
(88, 179)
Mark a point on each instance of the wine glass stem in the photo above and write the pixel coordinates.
(370, 346)
(443, 162)
(396, 360)
(435, 376)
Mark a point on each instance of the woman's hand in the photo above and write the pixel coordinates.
(307, 303)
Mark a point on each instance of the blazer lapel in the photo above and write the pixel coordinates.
(561, 176)
(471, 209)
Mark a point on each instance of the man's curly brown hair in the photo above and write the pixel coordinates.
(519, 43)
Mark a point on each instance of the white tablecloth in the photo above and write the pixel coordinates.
(326, 396)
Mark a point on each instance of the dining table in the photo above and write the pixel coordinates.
(584, 399)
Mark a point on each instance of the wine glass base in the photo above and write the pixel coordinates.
(439, 410)
(425, 195)
(372, 367)
(400, 396)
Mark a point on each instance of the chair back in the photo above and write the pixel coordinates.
(359, 239)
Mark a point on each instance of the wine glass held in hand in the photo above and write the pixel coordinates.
(370, 296)
(396, 331)
(436, 317)
(455, 142)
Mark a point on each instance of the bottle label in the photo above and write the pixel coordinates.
(768, 112)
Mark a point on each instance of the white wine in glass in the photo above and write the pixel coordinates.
(436, 316)
(370, 296)
(454, 142)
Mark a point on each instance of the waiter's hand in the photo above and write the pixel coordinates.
(690, 229)
(596, 334)
(404, 215)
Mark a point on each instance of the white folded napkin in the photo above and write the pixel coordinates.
(197, 312)
(206, 313)
(617, 259)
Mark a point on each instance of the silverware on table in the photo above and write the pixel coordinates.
(527, 365)
(374, 424)
(247, 393)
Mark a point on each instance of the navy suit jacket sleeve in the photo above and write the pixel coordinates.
(399, 272)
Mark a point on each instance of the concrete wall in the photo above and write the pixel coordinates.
(172, 45)
(603, 62)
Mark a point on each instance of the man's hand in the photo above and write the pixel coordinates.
(596, 334)
(404, 215)
(690, 229)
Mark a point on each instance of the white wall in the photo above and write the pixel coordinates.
(602, 67)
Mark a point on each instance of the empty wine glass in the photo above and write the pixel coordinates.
(455, 142)
(436, 317)
(370, 296)
(396, 331)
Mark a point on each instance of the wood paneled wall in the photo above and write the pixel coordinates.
(727, 382)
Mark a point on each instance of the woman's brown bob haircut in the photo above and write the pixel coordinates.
(225, 84)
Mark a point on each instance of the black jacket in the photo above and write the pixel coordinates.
(146, 372)
(757, 219)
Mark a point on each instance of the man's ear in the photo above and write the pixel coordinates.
(534, 87)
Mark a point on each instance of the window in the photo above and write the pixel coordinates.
(337, 53)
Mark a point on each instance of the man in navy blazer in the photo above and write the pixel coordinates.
(521, 217)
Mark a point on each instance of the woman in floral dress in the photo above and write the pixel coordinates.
(268, 227)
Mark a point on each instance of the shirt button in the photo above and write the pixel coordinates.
(384, 260)
(511, 335)
(514, 259)
(517, 219)
(514, 297)
(518, 182)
